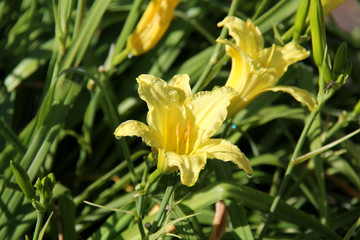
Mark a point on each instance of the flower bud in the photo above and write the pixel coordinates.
(152, 26)
(23, 180)
(39, 207)
(300, 18)
(357, 108)
(317, 31)
(340, 59)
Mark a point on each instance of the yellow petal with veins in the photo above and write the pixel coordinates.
(189, 166)
(208, 111)
(135, 128)
(246, 35)
(299, 94)
(226, 151)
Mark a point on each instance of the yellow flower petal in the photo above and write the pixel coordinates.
(280, 58)
(152, 26)
(299, 94)
(139, 129)
(247, 37)
(189, 166)
(181, 82)
(209, 111)
(166, 107)
(226, 151)
(240, 67)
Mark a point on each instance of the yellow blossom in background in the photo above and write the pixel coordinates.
(180, 125)
(256, 69)
(152, 26)
(329, 5)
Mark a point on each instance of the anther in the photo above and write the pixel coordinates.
(271, 55)
(187, 131)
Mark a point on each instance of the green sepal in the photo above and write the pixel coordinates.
(23, 180)
(340, 59)
(39, 207)
(327, 74)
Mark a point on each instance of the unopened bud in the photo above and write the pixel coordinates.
(152, 26)
(357, 108)
(300, 19)
(23, 180)
(340, 59)
(317, 27)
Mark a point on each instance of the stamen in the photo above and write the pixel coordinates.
(177, 137)
(271, 55)
(187, 131)
(187, 135)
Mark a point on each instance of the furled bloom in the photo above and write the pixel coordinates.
(256, 69)
(180, 125)
(152, 26)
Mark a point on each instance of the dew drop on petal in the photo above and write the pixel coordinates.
(249, 175)
(130, 55)
(117, 137)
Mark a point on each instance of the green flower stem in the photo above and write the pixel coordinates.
(39, 220)
(214, 58)
(260, 9)
(129, 25)
(140, 203)
(153, 176)
(319, 170)
(119, 58)
(288, 172)
(168, 192)
(139, 208)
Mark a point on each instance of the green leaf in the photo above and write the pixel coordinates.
(258, 200)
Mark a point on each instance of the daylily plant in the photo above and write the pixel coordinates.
(256, 69)
(152, 26)
(180, 125)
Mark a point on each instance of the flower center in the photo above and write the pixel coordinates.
(186, 138)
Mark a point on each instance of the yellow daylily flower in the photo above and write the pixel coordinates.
(256, 69)
(152, 26)
(180, 125)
